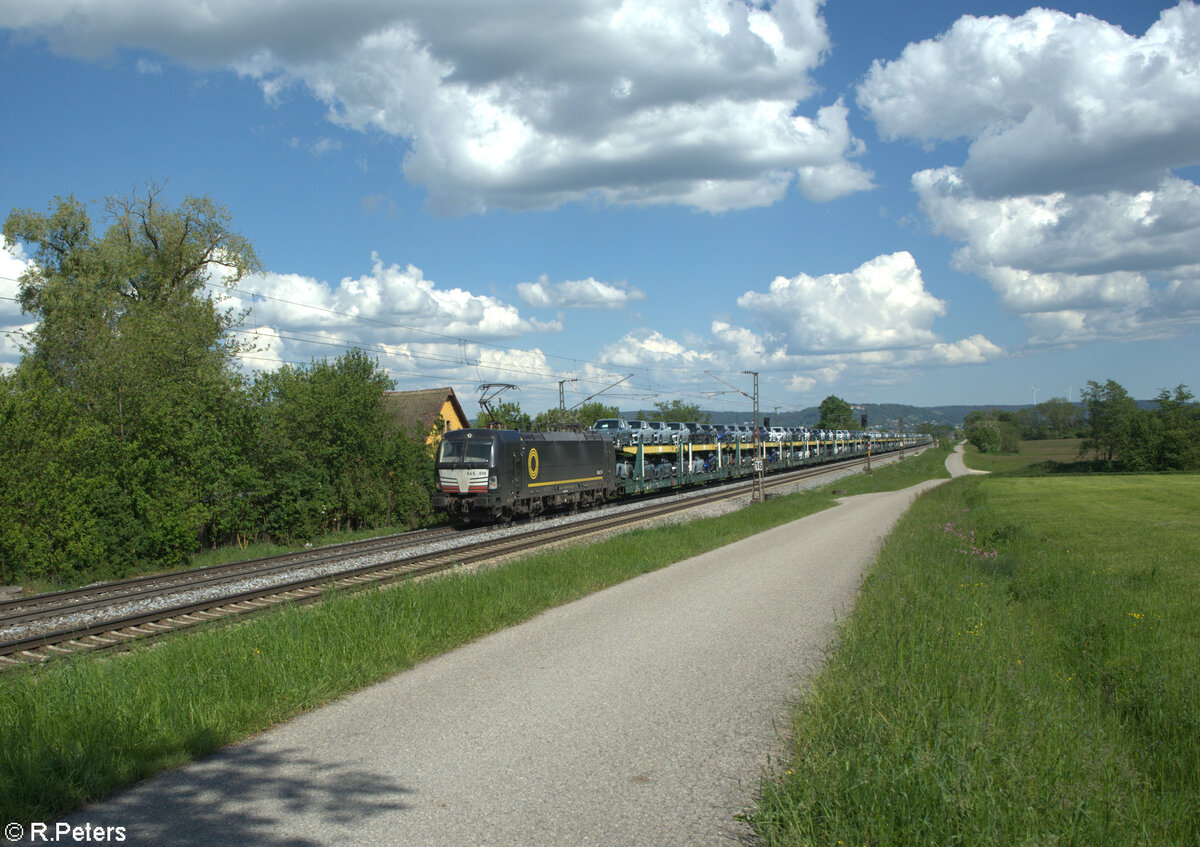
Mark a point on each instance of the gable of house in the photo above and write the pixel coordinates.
(432, 411)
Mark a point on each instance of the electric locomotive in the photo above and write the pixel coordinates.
(485, 475)
(489, 475)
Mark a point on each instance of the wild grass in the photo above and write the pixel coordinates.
(74, 731)
(1020, 669)
(227, 554)
(1061, 453)
(222, 555)
(929, 464)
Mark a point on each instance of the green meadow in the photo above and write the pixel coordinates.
(1020, 669)
(1062, 451)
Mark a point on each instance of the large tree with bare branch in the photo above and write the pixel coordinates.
(125, 413)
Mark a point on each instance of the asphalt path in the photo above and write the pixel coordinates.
(644, 714)
(955, 465)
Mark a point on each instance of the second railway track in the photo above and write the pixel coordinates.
(45, 627)
(43, 607)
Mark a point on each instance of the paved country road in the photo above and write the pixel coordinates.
(955, 465)
(640, 715)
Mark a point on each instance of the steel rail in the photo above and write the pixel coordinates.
(73, 600)
(124, 631)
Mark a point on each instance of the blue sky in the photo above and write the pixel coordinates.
(929, 203)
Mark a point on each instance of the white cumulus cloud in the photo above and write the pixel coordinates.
(974, 350)
(413, 326)
(875, 322)
(646, 348)
(578, 294)
(399, 300)
(738, 345)
(1068, 201)
(1049, 101)
(532, 103)
(13, 263)
(880, 305)
(1149, 230)
(1078, 267)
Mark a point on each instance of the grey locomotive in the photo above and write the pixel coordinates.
(486, 475)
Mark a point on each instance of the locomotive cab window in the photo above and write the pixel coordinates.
(466, 452)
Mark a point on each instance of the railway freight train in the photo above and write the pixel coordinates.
(489, 475)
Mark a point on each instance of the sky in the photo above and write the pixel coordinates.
(928, 203)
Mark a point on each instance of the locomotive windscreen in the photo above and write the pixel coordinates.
(473, 452)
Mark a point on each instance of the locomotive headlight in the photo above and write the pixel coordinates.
(492, 483)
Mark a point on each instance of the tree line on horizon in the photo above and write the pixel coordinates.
(1115, 430)
(835, 413)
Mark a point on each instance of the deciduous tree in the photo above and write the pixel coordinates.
(134, 356)
(1179, 447)
(677, 410)
(1109, 410)
(506, 415)
(836, 413)
(330, 456)
(580, 418)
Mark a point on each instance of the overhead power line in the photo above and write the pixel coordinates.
(434, 337)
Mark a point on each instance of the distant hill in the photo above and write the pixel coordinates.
(879, 415)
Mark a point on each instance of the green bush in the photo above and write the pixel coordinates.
(127, 434)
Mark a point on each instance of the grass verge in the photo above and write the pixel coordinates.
(929, 464)
(72, 732)
(1049, 455)
(1020, 669)
(209, 557)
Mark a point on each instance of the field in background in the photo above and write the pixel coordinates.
(1064, 450)
(1020, 669)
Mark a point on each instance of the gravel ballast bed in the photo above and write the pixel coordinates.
(91, 617)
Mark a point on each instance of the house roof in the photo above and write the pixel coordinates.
(420, 409)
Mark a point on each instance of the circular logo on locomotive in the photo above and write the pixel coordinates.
(533, 463)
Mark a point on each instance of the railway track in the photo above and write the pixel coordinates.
(101, 595)
(68, 623)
